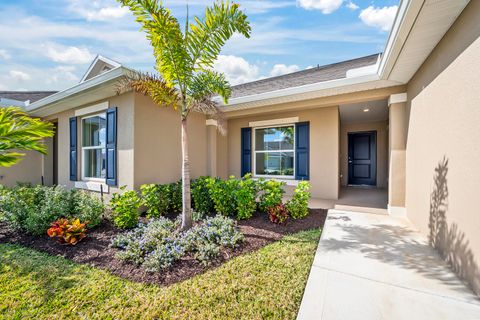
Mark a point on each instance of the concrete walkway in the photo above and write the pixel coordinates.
(371, 266)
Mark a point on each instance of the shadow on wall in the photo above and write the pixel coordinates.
(450, 242)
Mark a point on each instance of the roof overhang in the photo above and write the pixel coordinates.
(97, 88)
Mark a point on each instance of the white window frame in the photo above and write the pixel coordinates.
(254, 142)
(84, 178)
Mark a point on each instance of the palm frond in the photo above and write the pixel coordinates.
(150, 85)
(209, 83)
(210, 34)
(19, 131)
(165, 35)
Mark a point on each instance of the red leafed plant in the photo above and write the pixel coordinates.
(67, 232)
(278, 214)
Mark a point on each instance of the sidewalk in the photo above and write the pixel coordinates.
(371, 266)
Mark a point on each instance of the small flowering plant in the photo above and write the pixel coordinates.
(278, 214)
(66, 231)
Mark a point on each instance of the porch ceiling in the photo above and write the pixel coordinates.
(355, 112)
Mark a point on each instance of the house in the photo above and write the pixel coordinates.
(404, 121)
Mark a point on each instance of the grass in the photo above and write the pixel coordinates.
(268, 283)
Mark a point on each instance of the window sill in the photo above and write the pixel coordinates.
(92, 186)
(288, 182)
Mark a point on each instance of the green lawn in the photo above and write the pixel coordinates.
(268, 283)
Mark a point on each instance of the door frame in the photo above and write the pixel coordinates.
(374, 157)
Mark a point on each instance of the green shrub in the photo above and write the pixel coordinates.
(87, 207)
(201, 198)
(245, 196)
(297, 207)
(32, 209)
(223, 195)
(175, 195)
(156, 198)
(271, 193)
(125, 208)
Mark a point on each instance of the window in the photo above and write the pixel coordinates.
(275, 152)
(93, 147)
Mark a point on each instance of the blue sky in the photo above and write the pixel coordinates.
(49, 44)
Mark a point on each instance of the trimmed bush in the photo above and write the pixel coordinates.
(125, 208)
(156, 198)
(175, 194)
(245, 196)
(271, 193)
(67, 231)
(201, 198)
(87, 207)
(223, 195)
(297, 207)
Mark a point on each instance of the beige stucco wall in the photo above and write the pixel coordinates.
(382, 149)
(158, 152)
(29, 169)
(125, 104)
(443, 146)
(324, 146)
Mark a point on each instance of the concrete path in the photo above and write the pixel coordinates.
(371, 266)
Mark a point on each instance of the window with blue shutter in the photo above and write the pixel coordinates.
(302, 151)
(111, 147)
(246, 142)
(73, 149)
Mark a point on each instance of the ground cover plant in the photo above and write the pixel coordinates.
(159, 243)
(267, 283)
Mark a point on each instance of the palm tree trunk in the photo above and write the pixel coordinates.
(186, 204)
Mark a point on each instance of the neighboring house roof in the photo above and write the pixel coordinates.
(24, 96)
(313, 75)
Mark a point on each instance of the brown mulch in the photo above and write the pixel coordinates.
(95, 250)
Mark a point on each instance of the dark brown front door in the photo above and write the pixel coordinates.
(362, 158)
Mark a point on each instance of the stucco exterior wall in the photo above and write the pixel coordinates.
(324, 146)
(158, 153)
(125, 104)
(443, 153)
(29, 169)
(382, 149)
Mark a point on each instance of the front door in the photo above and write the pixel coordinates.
(362, 158)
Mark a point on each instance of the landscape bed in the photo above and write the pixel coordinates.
(95, 250)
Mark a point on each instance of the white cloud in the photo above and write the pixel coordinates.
(326, 6)
(352, 6)
(381, 18)
(19, 76)
(62, 74)
(98, 10)
(64, 54)
(236, 69)
(280, 69)
(4, 54)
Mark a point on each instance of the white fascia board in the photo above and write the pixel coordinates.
(302, 89)
(90, 83)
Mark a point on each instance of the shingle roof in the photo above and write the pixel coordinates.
(317, 74)
(26, 95)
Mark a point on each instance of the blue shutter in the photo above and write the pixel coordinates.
(246, 137)
(73, 149)
(302, 151)
(111, 147)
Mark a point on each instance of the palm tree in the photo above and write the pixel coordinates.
(184, 61)
(18, 131)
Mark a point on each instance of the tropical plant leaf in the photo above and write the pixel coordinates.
(19, 131)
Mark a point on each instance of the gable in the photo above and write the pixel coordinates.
(99, 65)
